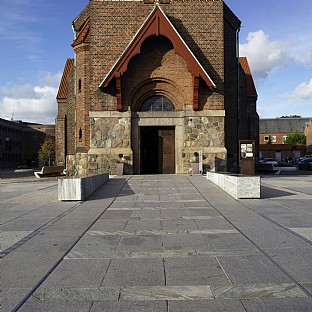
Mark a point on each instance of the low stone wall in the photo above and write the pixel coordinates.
(236, 185)
(80, 188)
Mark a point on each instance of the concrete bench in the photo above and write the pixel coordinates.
(50, 171)
(237, 185)
(80, 188)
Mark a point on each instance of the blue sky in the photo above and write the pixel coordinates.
(276, 36)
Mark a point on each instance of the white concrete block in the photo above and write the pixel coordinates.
(80, 188)
(238, 186)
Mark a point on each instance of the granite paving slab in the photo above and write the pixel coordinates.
(78, 273)
(108, 225)
(133, 225)
(130, 306)
(194, 271)
(76, 294)
(206, 306)
(249, 291)
(55, 306)
(179, 224)
(167, 293)
(252, 270)
(225, 240)
(131, 272)
(140, 243)
(278, 305)
(183, 240)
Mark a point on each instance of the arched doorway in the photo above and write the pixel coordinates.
(157, 143)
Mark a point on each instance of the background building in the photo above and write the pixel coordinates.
(156, 83)
(273, 134)
(20, 142)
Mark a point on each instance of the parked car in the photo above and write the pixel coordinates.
(305, 164)
(270, 161)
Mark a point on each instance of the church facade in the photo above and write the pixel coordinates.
(155, 84)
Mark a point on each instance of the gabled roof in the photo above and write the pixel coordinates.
(157, 24)
(62, 91)
(83, 35)
(282, 125)
(251, 89)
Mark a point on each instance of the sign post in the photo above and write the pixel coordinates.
(247, 157)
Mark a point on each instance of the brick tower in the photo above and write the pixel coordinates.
(156, 82)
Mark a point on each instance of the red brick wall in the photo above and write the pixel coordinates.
(200, 24)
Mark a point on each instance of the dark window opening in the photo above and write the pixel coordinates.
(157, 103)
(80, 135)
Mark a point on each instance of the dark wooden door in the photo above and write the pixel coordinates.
(166, 150)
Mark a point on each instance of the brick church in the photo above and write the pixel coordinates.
(155, 83)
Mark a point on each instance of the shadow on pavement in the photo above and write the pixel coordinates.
(112, 188)
(269, 192)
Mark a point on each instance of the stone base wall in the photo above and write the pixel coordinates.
(84, 164)
(211, 162)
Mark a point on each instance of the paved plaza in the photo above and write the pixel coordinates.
(157, 243)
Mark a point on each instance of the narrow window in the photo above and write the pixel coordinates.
(80, 135)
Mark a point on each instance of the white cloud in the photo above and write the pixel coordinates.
(302, 92)
(52, 79)
(30, 103)
(264, 55)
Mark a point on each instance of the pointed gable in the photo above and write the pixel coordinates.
(251, 89)
(157, 24)
(62, 91)
(84, 34)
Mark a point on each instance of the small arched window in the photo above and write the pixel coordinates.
(157, 103)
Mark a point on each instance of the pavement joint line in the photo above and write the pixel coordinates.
(169, 253)
(160, 232)
(308, 293)
(183, 292)
(157, 208)
(166, 218)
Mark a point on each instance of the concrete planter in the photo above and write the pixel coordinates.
(80, 188)
(237, 185)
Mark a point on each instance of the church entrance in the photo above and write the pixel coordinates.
(157, 150)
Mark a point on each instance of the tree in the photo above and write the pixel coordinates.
(47, 150)
(296, 137)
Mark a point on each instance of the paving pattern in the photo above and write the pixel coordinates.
(159, 243)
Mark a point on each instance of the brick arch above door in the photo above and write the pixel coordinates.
(152, 87)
